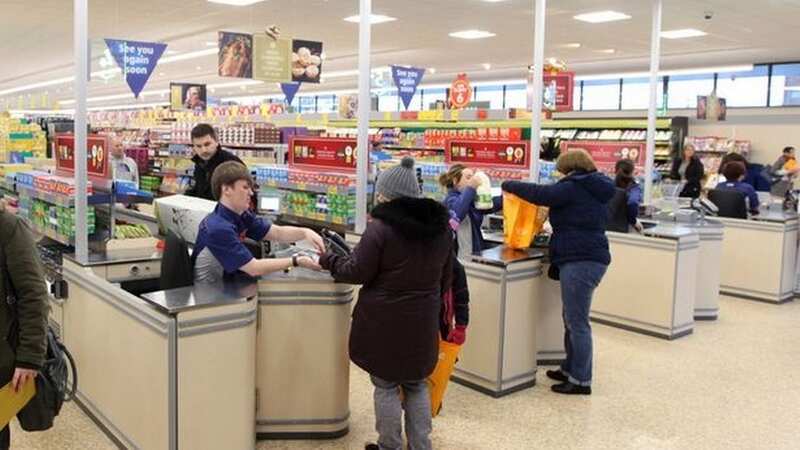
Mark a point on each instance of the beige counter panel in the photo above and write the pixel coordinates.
(650, 286)
(550, 322)
(208, 368)
(709, 262)
(122, 351)
(303, 369)
(758, 259)
(499, 356)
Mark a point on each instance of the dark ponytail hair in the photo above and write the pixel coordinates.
(624, 170)
(450, 178)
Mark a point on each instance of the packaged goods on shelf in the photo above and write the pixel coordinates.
(289, 132)
(714, 144)
(547, 172)
(53, 184)
(20, 139)
(172, 184)
(131, 231)
(439, 137)
(6, 169)
(334, 208)
(149, 183)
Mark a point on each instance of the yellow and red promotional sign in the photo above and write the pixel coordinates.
(460, 92)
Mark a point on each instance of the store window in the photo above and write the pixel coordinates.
(326, 104)
(307, 104)
(636, 93)
(785, 87)
(741, 89)
(516, 96)
(388, 102)
(492, 94)
(600, 94)
(431, 96)
(576, 96)
(684, 89)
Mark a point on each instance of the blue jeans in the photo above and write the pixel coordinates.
(578, 282)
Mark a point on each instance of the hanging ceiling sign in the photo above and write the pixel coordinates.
(290, 90)
(460, 92)
(137, 60)
(407, 79)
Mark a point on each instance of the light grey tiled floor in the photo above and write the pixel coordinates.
(733, 384)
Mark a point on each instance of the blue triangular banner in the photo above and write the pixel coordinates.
(407, 79)
(290, 90)
(137, 60)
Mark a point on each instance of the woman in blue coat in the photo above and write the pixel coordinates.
(462, 186)
(579, 255)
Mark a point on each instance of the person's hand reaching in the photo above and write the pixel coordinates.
(308, 263)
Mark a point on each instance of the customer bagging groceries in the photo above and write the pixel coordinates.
(578, 253)
(403, 262)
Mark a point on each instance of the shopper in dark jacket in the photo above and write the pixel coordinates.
(462, 186)
(624, 179)
(20, 262)
(578, 251)
(455, 315)
(690, 169)
(208, 155)
(403, 263)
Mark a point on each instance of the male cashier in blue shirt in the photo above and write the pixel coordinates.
(219, 252)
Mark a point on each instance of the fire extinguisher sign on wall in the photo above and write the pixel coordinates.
(460, 92)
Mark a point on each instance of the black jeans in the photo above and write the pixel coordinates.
(5, 438)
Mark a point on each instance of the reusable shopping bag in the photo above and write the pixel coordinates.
(521, 221)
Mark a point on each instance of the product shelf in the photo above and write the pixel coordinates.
(315, 188)
(67, 201)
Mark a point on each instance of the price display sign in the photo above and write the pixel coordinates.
(507, 154)
(323, 153)
(97, 155)
(606, 154)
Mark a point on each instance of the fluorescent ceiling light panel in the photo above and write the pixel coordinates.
(236, 2)
(609, 51)
(602, 17)
(374, 19)
(472, 34)
(682, 33)
(211, 44)
(572, 45)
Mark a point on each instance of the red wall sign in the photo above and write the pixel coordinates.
(606, 154)
(509, 154)
(97, 154)
(316, 153)
(460, 92)
(563, 83)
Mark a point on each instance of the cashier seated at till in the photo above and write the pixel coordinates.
(734, 173)
(219, 253)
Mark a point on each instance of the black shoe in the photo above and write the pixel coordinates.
(557, 375)
(571, 389)
(371, 447)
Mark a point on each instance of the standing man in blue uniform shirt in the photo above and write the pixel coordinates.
(219, 252)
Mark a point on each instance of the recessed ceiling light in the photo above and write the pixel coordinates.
(493, 1)
(682, 33)
(373, 19)
(572, 45)
(486, 66)
(199, 68)
(472, 34)
(236, 2)
(211, 44)
(162, 74)
(602, 16)
(609, 51)
(432, 70)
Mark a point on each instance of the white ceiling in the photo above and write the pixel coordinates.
(38, 37)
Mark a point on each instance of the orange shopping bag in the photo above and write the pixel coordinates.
(437, 381)
(521, 221)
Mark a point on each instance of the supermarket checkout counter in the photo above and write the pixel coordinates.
(549, 321)
(759, 256)
(499, 357)
(658, 300)
(270, 356)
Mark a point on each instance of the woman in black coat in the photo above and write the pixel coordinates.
(690, 169)
(404, 264)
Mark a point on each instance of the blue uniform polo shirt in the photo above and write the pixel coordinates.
(219, 251)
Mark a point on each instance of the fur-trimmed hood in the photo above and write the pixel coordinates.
(414, 218)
